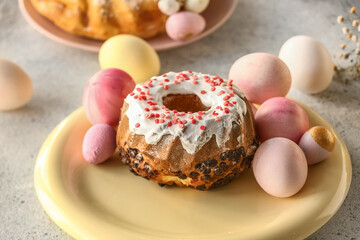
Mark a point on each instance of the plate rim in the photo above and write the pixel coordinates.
(174, 44)
(40, 183)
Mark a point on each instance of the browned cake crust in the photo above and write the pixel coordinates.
(168, 162)
(102, 19)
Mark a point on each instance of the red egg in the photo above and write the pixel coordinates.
(281, 117)
(261, 76)
(104, 95)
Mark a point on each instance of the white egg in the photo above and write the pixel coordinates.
(197, 6)
(310, 63)
(280, 167)
(169, 7)
(15, 86)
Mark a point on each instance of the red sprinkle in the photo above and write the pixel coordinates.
(161, 120)
(160, 83)
(189, 71)
(136, 96)
(132, 94)
(193, 121)
(154, 108)
(147, 109)
(157, 120)
(194, 82)
(213, 89)
(157, 115)
(202, 127)
(181, 125)
(191, 117)
(166, 80)
(138, 89)
(215, 113)
(162, 115)
(234, 102)
(217, 119)
(175, 111)
(221, 92)
(142, 93)
(149, 98)
(137, 125)
(226, 97)
(175, 121)
(166, 87)
(226, 110)
(164, 75)
(169, 124)
(199, 117)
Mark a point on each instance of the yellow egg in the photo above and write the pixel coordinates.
(15, 86)
(130, 54)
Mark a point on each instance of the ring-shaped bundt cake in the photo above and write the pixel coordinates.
(188, 129)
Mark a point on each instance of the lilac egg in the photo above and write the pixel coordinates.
(99, 143)
(184, 25)
(317, 143)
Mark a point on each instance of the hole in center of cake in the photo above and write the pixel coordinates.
(184, 103)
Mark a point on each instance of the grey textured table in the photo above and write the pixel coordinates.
(59, 75)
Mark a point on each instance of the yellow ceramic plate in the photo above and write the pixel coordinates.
(108, 202)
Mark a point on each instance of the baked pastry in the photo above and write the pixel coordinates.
(188, 129)
(102, 19)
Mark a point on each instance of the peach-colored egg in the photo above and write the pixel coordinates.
(261, 76)
(317, 143)
(104, 95)
(280, 167)
(99, 143)
(184, 25)
(15, 86)
(281, 117)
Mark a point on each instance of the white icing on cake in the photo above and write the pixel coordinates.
(149, 117)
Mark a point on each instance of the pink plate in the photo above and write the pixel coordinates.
(216, 15)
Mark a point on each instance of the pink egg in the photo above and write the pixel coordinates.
(184, 24)
(317, 143)
(280, 167)
(261, 76)
(281, 117)
(99, 143)
(104, 95)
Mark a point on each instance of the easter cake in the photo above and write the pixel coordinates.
(187, 129)
(101, 19)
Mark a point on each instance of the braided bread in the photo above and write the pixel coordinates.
(102, 19)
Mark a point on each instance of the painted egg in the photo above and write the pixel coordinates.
(184, 25)
(261, 76)
(310, 63)
(197, 6)
(169, 7)
(104, 95)
(130, 54)
(99, 143)
(317, 143)
(281, 117)
(15, 86)
(280, 167)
